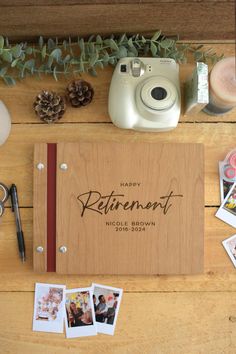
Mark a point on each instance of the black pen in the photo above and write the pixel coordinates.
(19, 232)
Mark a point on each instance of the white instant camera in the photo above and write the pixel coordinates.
(145, 94)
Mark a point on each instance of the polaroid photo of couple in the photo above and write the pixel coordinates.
(49, 308)
(230, 247)
(106, 301)
(227, 210)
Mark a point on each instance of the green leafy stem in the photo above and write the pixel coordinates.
(68, 57)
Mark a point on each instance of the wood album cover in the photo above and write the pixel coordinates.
(119, 208)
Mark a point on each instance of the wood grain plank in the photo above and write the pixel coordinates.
(219, 272)
(18, 3)
(16, 156)
(24, 94)
(196, 20)
(195, 323)
(40, 208)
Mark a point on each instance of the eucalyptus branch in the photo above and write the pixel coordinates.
(67, 57)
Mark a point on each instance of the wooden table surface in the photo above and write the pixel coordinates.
(159, 314)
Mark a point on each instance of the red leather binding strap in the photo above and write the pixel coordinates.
(51, 207)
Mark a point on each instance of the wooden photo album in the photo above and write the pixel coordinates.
(118, 208)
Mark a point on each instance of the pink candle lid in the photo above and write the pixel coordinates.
(230, 172)
(223, 80)
(232, 159)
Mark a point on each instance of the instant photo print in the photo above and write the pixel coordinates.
(106, 302)
(227, 210)
(230, 247)
(49, 308)
(224, 185)
(79, 313)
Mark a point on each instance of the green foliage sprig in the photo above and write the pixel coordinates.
(67, 57)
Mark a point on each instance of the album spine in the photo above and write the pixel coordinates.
(51, 206)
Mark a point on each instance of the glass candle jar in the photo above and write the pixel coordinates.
(222, 87)
(5, 123)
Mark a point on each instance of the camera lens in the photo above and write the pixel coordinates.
(158, 93)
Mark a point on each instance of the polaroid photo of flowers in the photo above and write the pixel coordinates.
(49, 305)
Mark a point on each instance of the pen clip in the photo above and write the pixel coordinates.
(12, 200)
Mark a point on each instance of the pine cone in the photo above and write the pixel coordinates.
(80, 93)
(49, 106)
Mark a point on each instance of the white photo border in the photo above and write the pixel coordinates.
(76, 332)
(43, 326)
(103, 327)
(224, 214)
(226, 247)
(221, 164)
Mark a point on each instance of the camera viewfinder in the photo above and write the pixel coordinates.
(123, 68)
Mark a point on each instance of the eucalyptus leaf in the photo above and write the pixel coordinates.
(93, 59)
(29, 50)
(16, 51)
(99, 64)
(66, 59)
(1, 42)
(143, 40)
(153, 49)
(81, 44)
(50, 61)
(122, 53)
(29, 64)
(98, 39)
(10, 81)
(91, 47)
(51, 44)
(166, 43)
(64, 44)
(7, 56)
(156, 36)
(15, 61)
(74, 61)
(130, 42)
(92, 72)
(41, 42)
(91, 38)
(3, 71)
(22, 56)
(134, 51)
(44, 52)
(113, 45)
(81, 65)
(111, 61)
(122, 39)
(55, 73)
(130, 54)
(105, 57)
(56, 54)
